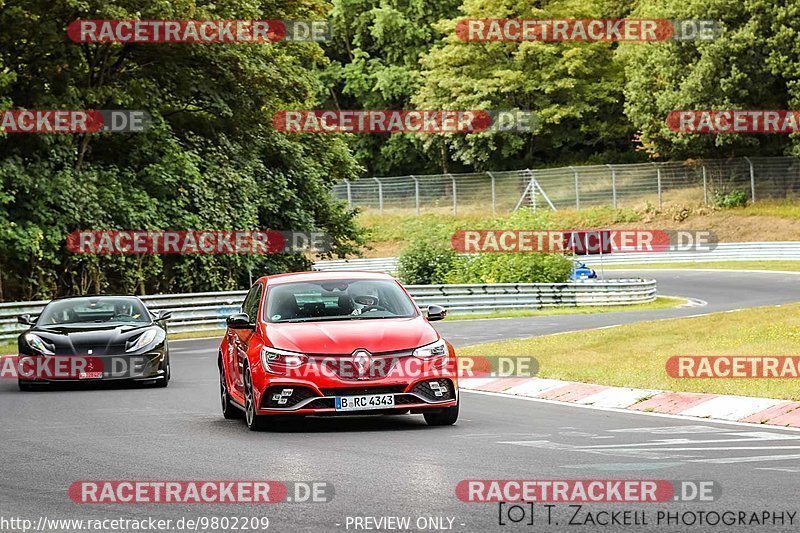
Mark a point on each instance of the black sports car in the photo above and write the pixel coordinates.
(92, 338)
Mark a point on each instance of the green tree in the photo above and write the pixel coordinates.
(753, 64)
(574, 88)
(211, 159)
(375, 65)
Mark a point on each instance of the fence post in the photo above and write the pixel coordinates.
(752, 180)
(705, 186)
(613, 186)
(349, 195)
(494, 194)
(577, 189)
(416, 192)
(658, 184)
(455, 195)
(380, 195)
(532, 189)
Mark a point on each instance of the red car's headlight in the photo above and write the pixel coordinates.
(278, 361)
(429, 351)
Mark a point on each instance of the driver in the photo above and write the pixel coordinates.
(366, 301)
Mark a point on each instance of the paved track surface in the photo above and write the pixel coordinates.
(397, 466)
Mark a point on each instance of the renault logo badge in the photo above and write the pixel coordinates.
(363, 361)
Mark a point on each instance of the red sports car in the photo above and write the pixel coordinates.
(335, 343)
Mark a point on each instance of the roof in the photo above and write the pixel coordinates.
(294, 277)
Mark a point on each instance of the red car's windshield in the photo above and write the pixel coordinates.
(337, 300)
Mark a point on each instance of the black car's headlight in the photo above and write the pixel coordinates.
(145, 339)
(38, 344)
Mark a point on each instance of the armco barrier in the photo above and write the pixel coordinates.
(739, 251)
(207, 311)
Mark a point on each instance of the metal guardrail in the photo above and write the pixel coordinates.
(740, 251)
(207, 311)
(461, 299)
(190, 312)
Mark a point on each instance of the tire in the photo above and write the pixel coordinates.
(163, 382)
(445, 417)
(254, 422)
(229, 410)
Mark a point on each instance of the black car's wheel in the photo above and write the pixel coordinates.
(445, 417)
(164, 381)
(254, 422)
(229, 411)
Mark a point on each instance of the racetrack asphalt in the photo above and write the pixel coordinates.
(397, 466)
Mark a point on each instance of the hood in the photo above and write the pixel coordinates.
(102, 339)
(346, 336)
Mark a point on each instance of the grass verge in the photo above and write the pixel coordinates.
(662, 302)
(393, 230)
(635, 355)
(782, 266)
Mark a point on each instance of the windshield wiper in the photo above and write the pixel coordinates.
(334, 318)
(315, 319)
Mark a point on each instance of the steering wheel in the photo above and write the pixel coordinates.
(374, 308)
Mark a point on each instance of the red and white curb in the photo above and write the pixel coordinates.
(691, 404)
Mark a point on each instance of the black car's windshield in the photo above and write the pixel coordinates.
(337, 300)
(92, 310)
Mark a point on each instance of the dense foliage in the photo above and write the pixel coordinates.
(597, 102)
(212, 159)
(512, 268)
(426, 263)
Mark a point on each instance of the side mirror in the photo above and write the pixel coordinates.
(163, 315)
(239, 321)
(26, 319)
(436, 312)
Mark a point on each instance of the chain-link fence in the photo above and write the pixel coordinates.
(576, 187)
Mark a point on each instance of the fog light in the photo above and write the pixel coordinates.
(438, 389)
(283, 397)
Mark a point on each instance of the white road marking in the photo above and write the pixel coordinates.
(723, 448)
(670, 430)
(746, 459)
(749, 437)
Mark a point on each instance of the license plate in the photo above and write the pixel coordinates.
(367, 401)
(90, 375)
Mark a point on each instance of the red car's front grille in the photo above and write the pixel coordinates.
(354, 391)
(348, 368)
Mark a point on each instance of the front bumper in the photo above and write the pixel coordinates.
(307, 398)
(44, 369)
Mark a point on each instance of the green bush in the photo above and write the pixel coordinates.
(426, 263)
(511, 268)
(730, 199)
